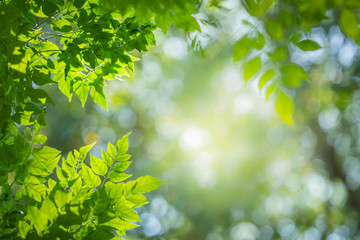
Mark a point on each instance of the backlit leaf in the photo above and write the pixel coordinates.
(98, 96)
(36, 167)
(124, 211)
(118, 224)
(122, 144)
(44, 153)
(118, 177)
(36, 189)
(269, 90)
(52, 163)
(40, 139)
(123, 157)
(62, 198)
(106, 158)
(121, 166)
(251, 68)
(23, 229)
(146, 184)
(111, 150)
(98, 166)
(90, 177)
(38, 218)
(137, 199)
(82, 93)
(49, 208)
(85, 149)
(267, 76)
(285, 108)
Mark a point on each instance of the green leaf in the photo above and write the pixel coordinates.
(82, 93)
(241, 48)
(35, 189)
(122, 144)
(22, 148)
(121, 166)
(98, 96)
(51, 184)
(79, 3)
(63, 180)
(118, 177)
(163, 21)
(37, 128)
(52, 163)
(269, 90)
(24, 228)
(111, 150)
(106, 157)
(115, 191)
(64, 84)
(285, 108)
(70, 171)
(45, 153)
(251, 68)
(89, 177)
(348, 21)
(85, 149)
(137, 199)
(146, 184)
(308, 45)
(257, 8)
(76, 186)
(185, 22)
(90, 58)
(49, 209)
(124, 211)
(62, 198)
(267, 76)
(98, 166)
(116, 223)
(286, 18)
(48, 49)
(38, 218)
(275, 29)
(49, 8)
(123, 157)
(41, 76)
(20, 66)
(39, 96)
(36, 167)
(61, 25)
(70, 159)
(40, 139)
(280, 54)
(293, 75)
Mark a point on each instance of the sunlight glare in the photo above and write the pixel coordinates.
(194, 137)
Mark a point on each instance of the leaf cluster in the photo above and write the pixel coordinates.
(285, 28)
(77, 45)
(77, 200)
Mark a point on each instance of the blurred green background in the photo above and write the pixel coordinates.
(235, 170)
